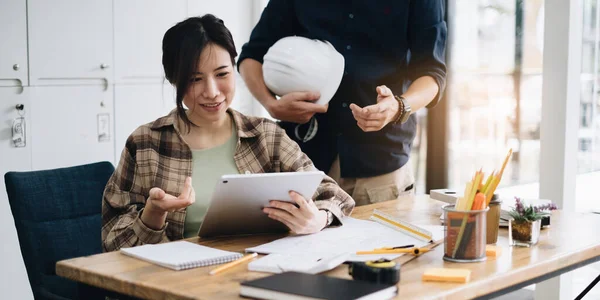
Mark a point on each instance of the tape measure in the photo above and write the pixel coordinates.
(402, 226)
(379, 271)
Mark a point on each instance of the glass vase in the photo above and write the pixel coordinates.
(524, 233)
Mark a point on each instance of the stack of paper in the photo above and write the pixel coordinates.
(355, 235)
(309, 263)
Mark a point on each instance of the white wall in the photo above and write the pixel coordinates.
(78, 59)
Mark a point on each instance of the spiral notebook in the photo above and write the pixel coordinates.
(181, 255)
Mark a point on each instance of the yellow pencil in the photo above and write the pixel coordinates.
(487, 183)
(233, 264)
(505, 162)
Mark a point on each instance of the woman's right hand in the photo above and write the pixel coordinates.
(159, 203)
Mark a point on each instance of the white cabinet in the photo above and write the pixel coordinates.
(139, 104)
(72, 125)
(13, 38)
(14, 158)
(70, 39)
(13, 277)
(237, 15)
(139, 26)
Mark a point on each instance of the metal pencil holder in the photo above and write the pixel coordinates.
(465, 235)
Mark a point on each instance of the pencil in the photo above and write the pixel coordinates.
(397, 247)
(415, 251)
(232, 264)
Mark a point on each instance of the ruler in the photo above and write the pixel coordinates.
(402, 226)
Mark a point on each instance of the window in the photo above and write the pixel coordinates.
(588, 158)
(494, 88)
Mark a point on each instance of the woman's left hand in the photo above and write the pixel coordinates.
(304, 219)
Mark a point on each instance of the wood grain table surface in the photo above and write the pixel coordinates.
(573, 240)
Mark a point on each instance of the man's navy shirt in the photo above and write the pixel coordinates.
(384, 42)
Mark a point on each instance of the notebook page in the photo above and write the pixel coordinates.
(181, 255)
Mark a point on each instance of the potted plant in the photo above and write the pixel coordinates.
(524, 228)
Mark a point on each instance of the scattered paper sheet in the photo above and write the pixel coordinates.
(310, 263)
(354, 235)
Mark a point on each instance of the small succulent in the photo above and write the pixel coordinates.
(522, 213)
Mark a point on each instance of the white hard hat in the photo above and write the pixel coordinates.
(298, 64)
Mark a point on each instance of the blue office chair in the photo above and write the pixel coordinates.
(57, 215)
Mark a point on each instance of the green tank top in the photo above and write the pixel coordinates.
(207, 167)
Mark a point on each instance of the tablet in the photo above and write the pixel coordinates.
(237, 201)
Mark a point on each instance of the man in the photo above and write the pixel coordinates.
(394, 65)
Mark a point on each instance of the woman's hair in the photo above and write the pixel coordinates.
(182, 46)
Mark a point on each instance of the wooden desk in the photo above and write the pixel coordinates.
(572, 242)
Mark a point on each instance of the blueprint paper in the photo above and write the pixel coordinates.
(355, 235)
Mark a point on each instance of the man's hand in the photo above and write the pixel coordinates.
(297, 107)
(375, 117)
(304, 219)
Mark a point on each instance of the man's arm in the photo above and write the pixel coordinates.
(375, 117)
(278, 20)
(421, 92)
(427, 43)
(295, 107)
(251, 71)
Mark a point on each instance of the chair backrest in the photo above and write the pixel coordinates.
(57, 215)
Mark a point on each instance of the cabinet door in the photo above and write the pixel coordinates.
(13, 37)
(14, 283)
(237, 15)
(14, 158)
(74, 125)
(139, 28)
(70, 39)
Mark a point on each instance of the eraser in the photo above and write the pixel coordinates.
(492, 251)
(447, 275)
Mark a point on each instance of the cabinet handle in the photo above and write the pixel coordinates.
(16, 67)
(104, 66)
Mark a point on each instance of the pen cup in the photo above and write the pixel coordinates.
(493, 220)
(465, 234)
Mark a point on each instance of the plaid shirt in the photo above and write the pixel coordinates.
(155, 155)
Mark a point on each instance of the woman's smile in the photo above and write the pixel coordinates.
(212, 107)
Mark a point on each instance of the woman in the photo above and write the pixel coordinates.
(161, 188)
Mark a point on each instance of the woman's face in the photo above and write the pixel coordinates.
(212, 86)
